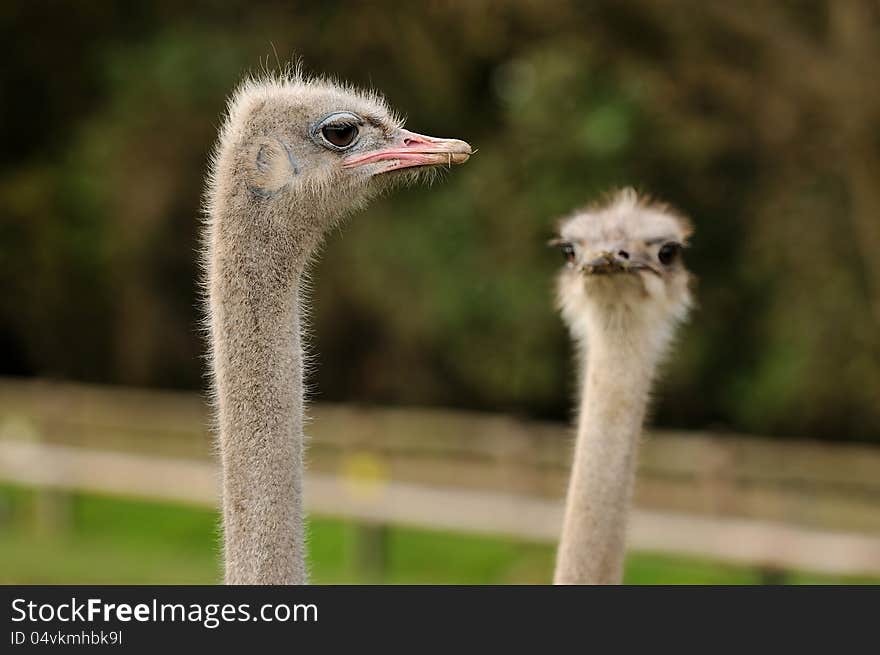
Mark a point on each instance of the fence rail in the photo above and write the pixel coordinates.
(755, 501)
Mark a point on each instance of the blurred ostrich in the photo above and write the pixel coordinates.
(622, 293)
(293, 158)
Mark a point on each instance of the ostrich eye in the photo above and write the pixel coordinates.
(668, 253)
(567, 252)
(340, 135)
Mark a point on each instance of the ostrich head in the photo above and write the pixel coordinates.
(315, 149)
(624, 273)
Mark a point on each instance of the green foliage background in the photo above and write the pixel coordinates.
(760, 120)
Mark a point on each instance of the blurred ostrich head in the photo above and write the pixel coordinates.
(623, 268)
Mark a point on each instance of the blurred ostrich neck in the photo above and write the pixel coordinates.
(256, 264)
(619, 364)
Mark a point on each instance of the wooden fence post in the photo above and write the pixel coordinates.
(52, 511)
(371, 552)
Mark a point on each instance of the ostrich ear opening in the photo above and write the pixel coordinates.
(687, 228)
(273, 169)
(684, 242)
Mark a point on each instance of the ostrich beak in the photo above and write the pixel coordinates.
(607, 262)
(414, 150)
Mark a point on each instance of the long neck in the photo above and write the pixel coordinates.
(254, 273)
(614, 395)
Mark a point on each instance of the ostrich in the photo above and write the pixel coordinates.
(294, 156)
(622, 293)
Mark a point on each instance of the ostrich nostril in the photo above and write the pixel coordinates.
(623, 253)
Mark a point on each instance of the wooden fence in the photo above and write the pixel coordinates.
(741, 499)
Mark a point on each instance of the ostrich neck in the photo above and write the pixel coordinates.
(614, 396)
(255, 270)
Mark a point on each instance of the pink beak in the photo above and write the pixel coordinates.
(416, 150)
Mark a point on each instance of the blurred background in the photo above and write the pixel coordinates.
(438, 351)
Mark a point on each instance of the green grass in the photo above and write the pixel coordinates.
(116, 541)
